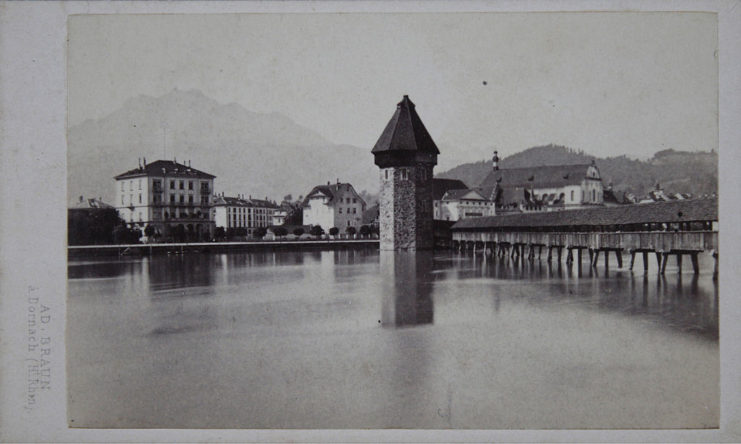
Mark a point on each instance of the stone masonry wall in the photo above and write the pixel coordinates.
(405, 208)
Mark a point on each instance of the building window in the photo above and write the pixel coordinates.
(340, 209)
(182, 185)
(140, 184)
(140, 197)
(404, 175)
(572, 195)
(190, 184)
(131, 185)
(172, 184)
(122, 186)
(593, 196)
(386, 171)
(190, 199)
(353, 210)
(354, 200)
(122, 199)
(172, 198)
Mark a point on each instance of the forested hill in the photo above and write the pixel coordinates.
(677, 171)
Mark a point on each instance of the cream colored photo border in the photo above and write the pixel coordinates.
(33, 210)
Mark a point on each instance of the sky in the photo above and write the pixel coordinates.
(605, 83)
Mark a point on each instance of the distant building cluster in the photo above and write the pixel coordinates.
(168, 200)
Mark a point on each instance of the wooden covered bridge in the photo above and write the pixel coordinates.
(675, 228)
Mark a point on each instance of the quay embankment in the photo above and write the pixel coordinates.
(217, 247)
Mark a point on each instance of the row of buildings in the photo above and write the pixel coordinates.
(166, 194)
(171, 196)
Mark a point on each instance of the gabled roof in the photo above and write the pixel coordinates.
(91, 203)
(330, 191)
(165, 168)
(226, 201)
(441, 186)
(536, 177)
(464, 193)
(405, 132)
(660, 212)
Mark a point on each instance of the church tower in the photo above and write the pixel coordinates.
(406, 155)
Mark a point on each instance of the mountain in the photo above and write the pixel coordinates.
(249, 153)
(676, 171)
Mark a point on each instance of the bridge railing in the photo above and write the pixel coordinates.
(648, 240)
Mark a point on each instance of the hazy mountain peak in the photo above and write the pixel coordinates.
(249, 152)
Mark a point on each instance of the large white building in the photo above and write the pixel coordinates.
(241, 212)
(333, 205)
(452, 201)
(463, 204)
(543, 188)
(173, 198)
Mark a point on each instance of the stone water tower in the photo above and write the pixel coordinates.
(406, 155)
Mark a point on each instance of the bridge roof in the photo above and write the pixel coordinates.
(659, 212)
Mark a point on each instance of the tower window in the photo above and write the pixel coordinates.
(387, 177)
(404, 175)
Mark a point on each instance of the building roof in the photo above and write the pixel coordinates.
(405, 132)
(460, 194)
(441, 186)
(371, 214)
(226, 201)
(91, 203)
(551, 176)
(165, 168)
(329, 190)
(660, 212)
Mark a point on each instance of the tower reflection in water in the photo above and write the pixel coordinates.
(407, 289)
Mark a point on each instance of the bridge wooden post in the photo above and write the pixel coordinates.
(591, 257)
(607, 259)
(632, 259)
(559, 254)
(531, 253)
(679, 262)
(619, 255)
(540, 250)
(596, 257)
(578, 256)
(658, 260)
(569, 255)
(695, 265)
(664, 260)
(645, 261)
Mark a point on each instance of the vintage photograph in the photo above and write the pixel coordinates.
(393, 221)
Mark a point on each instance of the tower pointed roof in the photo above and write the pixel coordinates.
(405, 132)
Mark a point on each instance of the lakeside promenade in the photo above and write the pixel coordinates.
(215, 247)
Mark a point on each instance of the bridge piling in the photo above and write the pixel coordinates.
(632, 259)
(679, 263)
(645, 261)
(619, 255)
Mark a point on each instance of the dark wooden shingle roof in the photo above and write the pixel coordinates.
(405, 132)
(660, 212)
(165, 168)
(537, 177)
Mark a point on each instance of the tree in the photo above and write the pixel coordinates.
(260, 232)
(365, 230)
(317, 230)
(351, 230)
(298, 231)
(240, 231)
(333, 231)
(220, 233)
(280, 231)
(149, 230)
(178, 233)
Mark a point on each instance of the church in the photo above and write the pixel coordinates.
(542, 188)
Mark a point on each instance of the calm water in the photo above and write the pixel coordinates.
(362, 339)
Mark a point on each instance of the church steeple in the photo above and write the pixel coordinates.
(495, 161)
